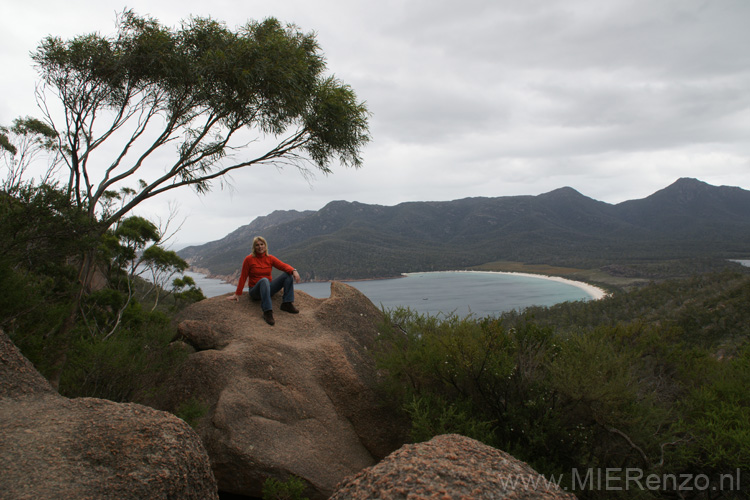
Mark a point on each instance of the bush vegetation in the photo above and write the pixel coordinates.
(291, 489)
(653, 381)
(110, 340)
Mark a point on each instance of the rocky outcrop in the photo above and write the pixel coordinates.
(297, 398)
(54, 447)
(449, 467)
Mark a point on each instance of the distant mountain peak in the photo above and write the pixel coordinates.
(687, 188)
(689, 183)
(690, 180)
(566, 191)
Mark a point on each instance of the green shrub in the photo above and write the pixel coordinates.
(191, 411)
(716, 416)
(291, 489)
(593, 398)
(431, 416)
(126, 365)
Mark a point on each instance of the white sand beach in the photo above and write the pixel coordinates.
(595, 292)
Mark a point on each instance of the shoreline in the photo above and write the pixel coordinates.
(595, 292)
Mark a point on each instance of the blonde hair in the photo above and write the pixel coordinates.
(260, 238)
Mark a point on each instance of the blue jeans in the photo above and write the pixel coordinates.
(264, 289)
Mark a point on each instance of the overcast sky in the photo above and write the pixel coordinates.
(614, 98)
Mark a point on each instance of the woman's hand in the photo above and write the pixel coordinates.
(234, 297)
(296, 276)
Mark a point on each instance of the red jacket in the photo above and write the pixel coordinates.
(254, 268)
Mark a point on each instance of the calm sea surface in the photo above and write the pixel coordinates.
(462, 293)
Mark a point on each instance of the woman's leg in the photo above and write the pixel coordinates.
(262, 291)
(285, 281)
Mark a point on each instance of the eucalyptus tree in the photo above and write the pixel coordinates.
(130, 249)
(21, 145)
(151, 108)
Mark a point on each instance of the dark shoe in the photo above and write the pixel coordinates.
(268, 316)
(289, 307)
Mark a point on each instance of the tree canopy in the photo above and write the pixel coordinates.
(221, 99)
(21, 145)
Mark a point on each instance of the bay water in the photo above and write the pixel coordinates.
(440, 293)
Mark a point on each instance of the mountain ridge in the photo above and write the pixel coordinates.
(353, 240)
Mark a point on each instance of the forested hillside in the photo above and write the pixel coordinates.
(348, 240)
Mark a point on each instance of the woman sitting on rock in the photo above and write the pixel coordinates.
(256, 271)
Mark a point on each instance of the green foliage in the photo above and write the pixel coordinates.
(431, 416)
(126, 365)
(162, 259)
(101, 343)
(477, 370)
(34, 128)
(716, 416)
(21, 145)
(191, 411)
(40, 230)
(133, 233)
(709, 310)
(609, 396)
(40, 237)
(185, 291)
(291, 489)
(5, 143)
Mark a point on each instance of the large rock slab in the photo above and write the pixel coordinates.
(449, 467)
(53, 447)
(297, 398)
